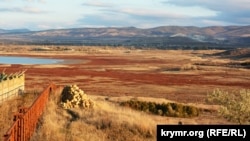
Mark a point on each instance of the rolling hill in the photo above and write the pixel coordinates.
(159, 37)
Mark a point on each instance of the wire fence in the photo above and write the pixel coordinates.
(10, 88)
(27, 118)
(12, 93)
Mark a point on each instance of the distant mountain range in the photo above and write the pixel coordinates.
(14, 31)
(159, 37)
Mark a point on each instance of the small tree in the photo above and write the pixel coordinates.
(235, 107)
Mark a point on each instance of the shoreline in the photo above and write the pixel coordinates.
(122, 72)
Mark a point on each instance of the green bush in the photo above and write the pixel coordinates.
(235, 106)
(164, 109)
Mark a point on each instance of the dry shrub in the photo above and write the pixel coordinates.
(188, 67)
(234, 105)
(164, 109)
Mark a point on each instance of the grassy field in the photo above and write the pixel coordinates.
(108, 121)
(112, 75)
(10, 107)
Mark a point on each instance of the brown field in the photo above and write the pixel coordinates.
(118, 74)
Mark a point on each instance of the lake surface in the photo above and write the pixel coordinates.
(27, 60)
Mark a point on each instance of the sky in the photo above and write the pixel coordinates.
(58, 14)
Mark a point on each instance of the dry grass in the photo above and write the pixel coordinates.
(10, 107)
(6, 115)
(188, 66)
(106, 122)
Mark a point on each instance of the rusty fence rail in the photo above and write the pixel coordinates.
(27, 118)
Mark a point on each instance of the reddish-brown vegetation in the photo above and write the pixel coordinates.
(93, 72)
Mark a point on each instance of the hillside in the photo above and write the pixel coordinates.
(14, 31)
(236, 53)
(159, 37)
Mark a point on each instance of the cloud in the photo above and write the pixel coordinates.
(149, 13)
(228, 11)
(97, 4)
(143, 16)
(100, 20)
(141, 21)
(131, 17)
(26, 9)
(168, 12)
(222, 5)
(42, 1)
(32, 10)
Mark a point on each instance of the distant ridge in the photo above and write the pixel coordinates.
(14, 31)
(160, 37)
(239, 52)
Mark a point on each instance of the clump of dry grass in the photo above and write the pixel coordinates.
(189, 66)
(6, 115)
(106, 122)
(10, 107)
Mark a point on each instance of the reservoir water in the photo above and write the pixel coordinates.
(27, 60)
